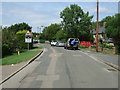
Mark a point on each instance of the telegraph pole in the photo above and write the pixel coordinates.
(97, 26)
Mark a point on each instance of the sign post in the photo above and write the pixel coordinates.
(28, 38)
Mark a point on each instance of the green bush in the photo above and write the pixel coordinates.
(105, 45)
(42, 41)
(5, 50)
(93, 46)
(109, 46)
(81, 46)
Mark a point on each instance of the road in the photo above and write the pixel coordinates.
(60, 68)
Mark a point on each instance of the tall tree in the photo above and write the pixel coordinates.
(76, 22)
(61, 35)
(104, 20)
(9, 37)
(113, 30)
(50, 31)
(19, 26)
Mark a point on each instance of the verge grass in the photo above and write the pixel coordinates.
(24, 56)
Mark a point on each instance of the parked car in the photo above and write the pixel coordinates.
(69, 46)
(53, 43)
(60, 44)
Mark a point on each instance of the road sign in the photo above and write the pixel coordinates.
(28, 40)
(28, 37)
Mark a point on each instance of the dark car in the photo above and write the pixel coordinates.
(69, 46)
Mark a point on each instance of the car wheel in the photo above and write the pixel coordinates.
(76, 48)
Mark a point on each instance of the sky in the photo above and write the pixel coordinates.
(38, 14)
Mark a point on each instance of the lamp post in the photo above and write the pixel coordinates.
(97, 26)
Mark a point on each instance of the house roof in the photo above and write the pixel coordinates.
(101, 30)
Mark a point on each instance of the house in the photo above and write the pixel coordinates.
(101, 35)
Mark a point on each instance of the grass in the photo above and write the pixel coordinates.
(24, 56)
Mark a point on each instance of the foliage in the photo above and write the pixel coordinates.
(93, 46)
(110, 46)
(113, 30)
(36, 35)
(5, 50)
(76, 22)
(81, 46)
(42, 41)
(21, 40)
(104, 20)
(10, 38)
(61, 35)
(19, 26)
(50, 31)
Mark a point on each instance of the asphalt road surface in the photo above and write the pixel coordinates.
(60, 68)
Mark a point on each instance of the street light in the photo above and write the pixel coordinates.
(97, 26)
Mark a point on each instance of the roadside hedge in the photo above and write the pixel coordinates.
(42, 41)
(5, 50)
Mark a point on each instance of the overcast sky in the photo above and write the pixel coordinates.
(38, 14)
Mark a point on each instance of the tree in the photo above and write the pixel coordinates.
(104, 20)
(21, 40)
(61, 35)
(50, 31)
(9, 38)
(113, 30)
(76, 22)
(19, 26)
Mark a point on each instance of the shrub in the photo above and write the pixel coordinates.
(5, 50)
(81, 46)
(93, 46)
(110, 46)
(42, 41)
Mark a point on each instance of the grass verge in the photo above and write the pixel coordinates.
(24, 56)
(104, 52)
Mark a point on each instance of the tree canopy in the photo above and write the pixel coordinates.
(50, 31)
(76, 22)
(13, 37)
(113, 30)
(19, 26)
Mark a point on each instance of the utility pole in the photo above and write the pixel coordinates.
(97, 26)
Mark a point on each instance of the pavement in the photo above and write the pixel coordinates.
(8, 70)
(106, 57)
(60, 68)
